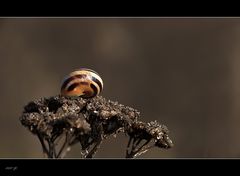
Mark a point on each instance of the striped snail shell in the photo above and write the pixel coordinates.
(83, 82)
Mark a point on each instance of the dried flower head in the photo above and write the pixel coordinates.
(60, 122)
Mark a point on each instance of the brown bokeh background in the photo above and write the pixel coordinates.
(185, 73)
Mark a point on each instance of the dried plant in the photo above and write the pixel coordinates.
(60, 122)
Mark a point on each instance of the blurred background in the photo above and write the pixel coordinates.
(184, 73)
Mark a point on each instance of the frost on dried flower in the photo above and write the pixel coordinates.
(60, 122)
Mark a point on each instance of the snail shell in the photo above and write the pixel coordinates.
(83, 82)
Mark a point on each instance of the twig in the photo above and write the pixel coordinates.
(45, 150)
(63, 146)
(94, 149)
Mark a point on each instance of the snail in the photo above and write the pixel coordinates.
(83, 82)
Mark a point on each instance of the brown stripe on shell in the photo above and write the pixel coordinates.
(74, 85)
(68, 80)
(98, 83)
(95, 90)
